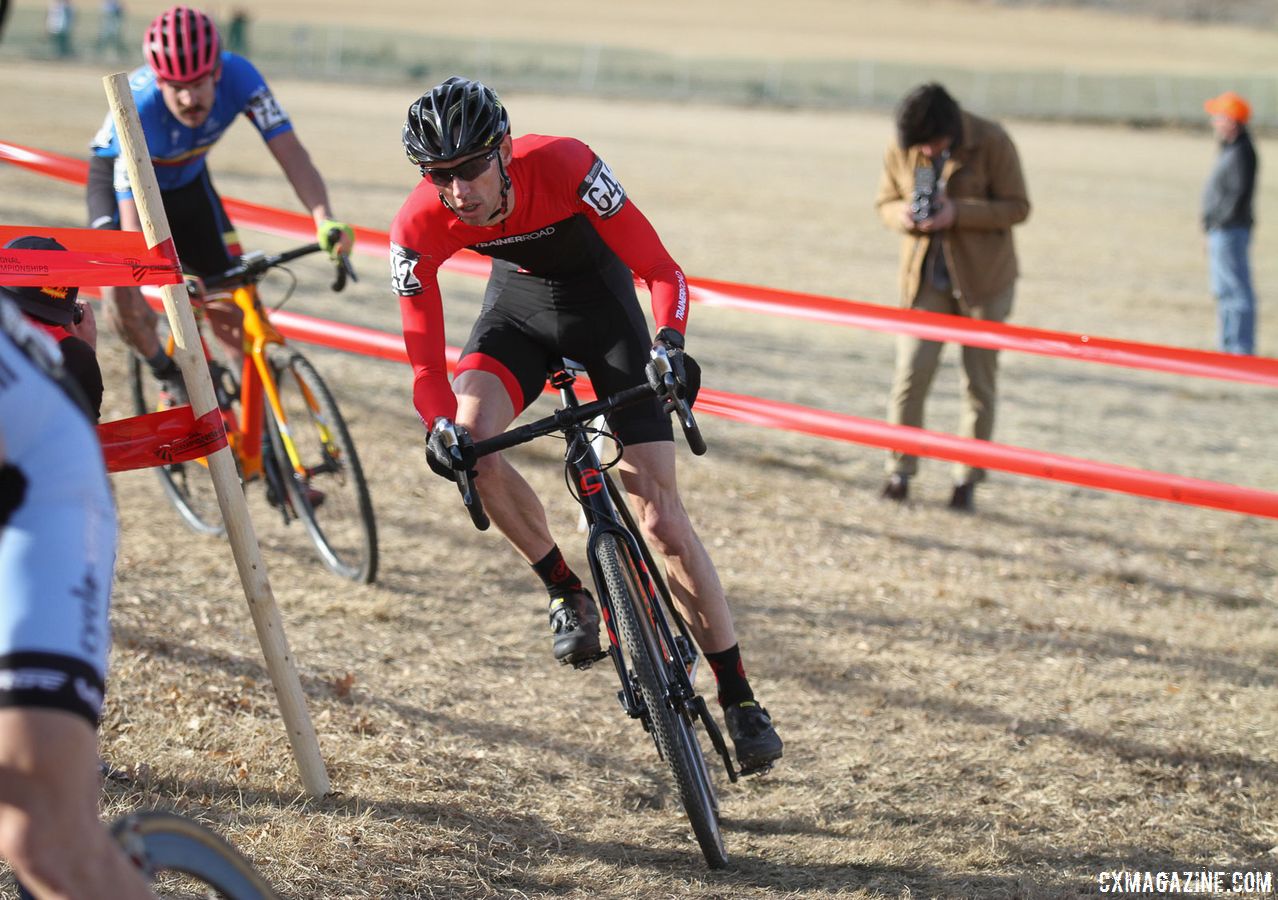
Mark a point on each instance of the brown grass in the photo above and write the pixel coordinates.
(998, 706)
(977, 33)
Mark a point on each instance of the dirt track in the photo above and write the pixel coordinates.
(1005, 705)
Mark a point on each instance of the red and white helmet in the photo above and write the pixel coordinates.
(182, 45)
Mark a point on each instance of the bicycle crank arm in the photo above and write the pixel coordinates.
(698, 705)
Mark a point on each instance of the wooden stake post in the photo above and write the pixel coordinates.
(226, 481)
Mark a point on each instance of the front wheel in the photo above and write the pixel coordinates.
(316, 457)
(672, 728)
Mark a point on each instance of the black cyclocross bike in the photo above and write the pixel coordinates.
(650, 645)
(179, 856)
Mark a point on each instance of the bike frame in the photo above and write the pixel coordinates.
(606, 512)
(257, 382)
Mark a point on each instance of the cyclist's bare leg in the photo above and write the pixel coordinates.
(127, 310)
(227, 323)
(132, 319)
(49, 827)
(484, 408)
(648, 473)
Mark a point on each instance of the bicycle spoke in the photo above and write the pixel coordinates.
(322, 473)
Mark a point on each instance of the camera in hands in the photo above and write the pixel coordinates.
(924, 202)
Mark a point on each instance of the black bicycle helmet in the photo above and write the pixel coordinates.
(453, 120)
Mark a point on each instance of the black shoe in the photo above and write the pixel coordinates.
(172, 387)
(173, 393)
(757, 743)
(964, 498)
(897, 488)
(574, 619)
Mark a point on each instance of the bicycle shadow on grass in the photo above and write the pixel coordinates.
(320, 693)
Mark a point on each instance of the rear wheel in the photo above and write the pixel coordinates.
(672, 729)
(188, 485)
(320, 469)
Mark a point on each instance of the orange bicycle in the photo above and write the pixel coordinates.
(282, 422)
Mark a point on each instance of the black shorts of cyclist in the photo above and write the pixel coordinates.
(528, 324)
(198, 222)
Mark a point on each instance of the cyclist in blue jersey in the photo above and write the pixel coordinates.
(57, 556)
(187, 96)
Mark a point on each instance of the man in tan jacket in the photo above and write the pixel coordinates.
(952, 185)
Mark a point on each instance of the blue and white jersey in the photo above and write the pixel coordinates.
(178, 151)
(58, 545)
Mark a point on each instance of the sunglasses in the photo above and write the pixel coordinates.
(467, 171)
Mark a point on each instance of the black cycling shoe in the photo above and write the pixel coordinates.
(173, 393)
(575, 621)
(757, 743)
(172, 387)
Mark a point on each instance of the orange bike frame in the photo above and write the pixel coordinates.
(257, 383)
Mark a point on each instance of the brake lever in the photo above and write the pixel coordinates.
(343, 271)
(470, 498)
(463, 476)
(676, 401)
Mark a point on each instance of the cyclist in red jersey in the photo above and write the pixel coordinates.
(565, 240)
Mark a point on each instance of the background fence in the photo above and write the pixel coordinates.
(398, 57)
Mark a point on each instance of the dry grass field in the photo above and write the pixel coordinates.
(1006, 705)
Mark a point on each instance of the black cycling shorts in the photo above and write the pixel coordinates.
(202, 232)
(529, 324)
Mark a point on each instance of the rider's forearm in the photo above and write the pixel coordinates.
(306, 180)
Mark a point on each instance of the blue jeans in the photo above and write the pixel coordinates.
(1230, 274)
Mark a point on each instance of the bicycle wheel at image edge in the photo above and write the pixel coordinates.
(329, 492)
(161, 842)
(671, 729)
(189, 485)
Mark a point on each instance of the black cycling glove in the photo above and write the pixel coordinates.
(449, 449)
(686, 372)
(13, 490)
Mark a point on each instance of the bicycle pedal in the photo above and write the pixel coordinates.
(761, 769)
(583, 664)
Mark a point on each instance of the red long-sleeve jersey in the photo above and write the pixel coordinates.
(570, 217)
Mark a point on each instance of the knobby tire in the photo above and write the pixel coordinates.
(672, 731)
(162, 842)
(163, 845)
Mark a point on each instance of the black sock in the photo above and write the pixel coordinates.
(163, 366)
(730, 674)
(555, 574)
